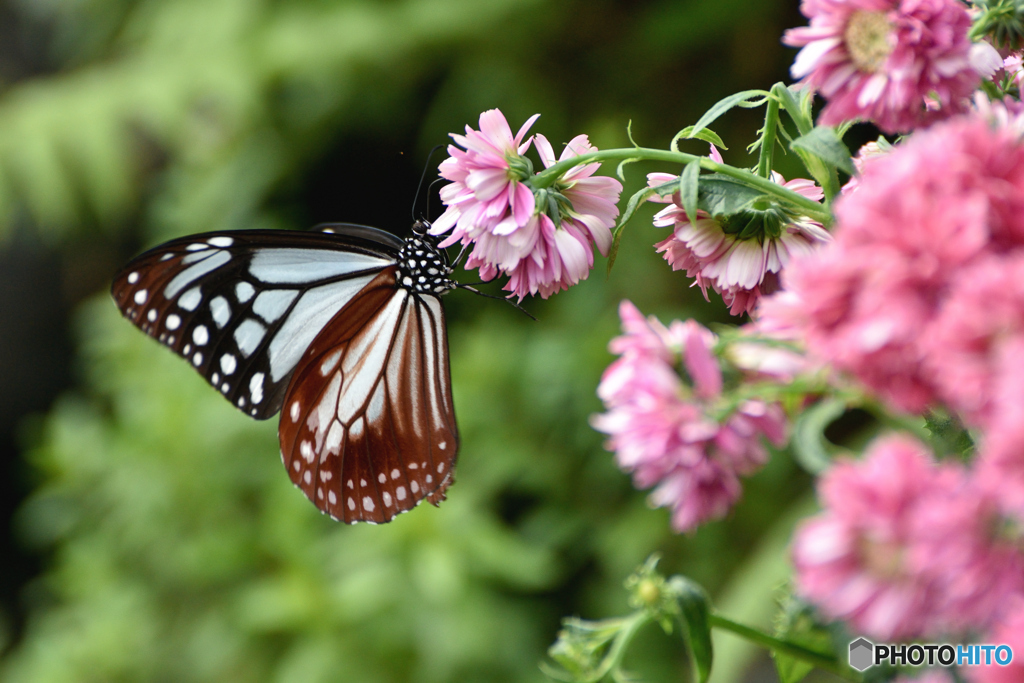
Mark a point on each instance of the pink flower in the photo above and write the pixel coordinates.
(541, 238)
(906, 548)
(665, 431)
(1011, 633)
(1013, 65)
(853, 560)
(741, 270)
(868, 153)
(880, 60)
(921, 221)
(577, 212)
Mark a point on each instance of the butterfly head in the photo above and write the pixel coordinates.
(422, 266)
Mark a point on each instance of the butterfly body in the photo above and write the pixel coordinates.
(344, 329)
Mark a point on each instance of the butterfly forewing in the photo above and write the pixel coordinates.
(368, 428)
(241, 307)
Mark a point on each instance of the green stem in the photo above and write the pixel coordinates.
(809, 207)
(613, 660)
(816, 659)
(771, 122)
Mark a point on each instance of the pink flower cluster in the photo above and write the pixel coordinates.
(741, 270)
(898, 63)
(667, 432)
(920, 296)
(907, 548)
(542, 239)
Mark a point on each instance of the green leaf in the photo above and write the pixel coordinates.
(722, 196)
(748, 99)
(707, 135)
(823, 143)
(797, 625)
(787, 98)
(694, 609)
(631, 207)
(689, 186)
(810, 448)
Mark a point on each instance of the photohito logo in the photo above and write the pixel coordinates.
(865, 654)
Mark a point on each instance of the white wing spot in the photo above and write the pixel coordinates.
(166, 256)
(151, 316)
(351, 502)
(306, 449)
(224, 387)
(272, 304)
(387, 499)
(308, 477)
(395, 473)
(319, 493)
(187, 349)
(196, 247)
(296, 465)
(221, 311)
(413, 466)
(190, 299)
(350, 484)
(415, 486)
(330, 363)
(140, 296)
(133, 278)
(201, 335)
(334, 499)
(228, 363)
(430, 479)
(248, 336)
(294, 411)
(368, 504)
(215, 378)
(442, 446)
(326, 475)
(170, 340)
(173, 321)
(256, 388)
(400, 493)
(197, 359)
(440, 467)
(241, 401)
(362, 482)
(220, 241)
(244, 291)
(382, 478)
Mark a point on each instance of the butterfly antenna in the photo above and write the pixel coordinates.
(423, 177)
(499, 298)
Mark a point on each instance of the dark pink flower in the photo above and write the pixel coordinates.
(921, 221)
(884, 60)
(741, 270)
(667, 431)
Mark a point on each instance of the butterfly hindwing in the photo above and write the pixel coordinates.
(368, 426)
(241, 307)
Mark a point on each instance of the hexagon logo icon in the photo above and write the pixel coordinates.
(861, 654)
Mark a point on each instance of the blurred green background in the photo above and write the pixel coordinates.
(150, 533)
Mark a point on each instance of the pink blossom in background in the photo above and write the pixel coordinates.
(853, 561)
(562, 254)
(1009, 632)
(880, 60)
(664, 430)
(740, 270)
(1000, 459)
(1013, 65)
(867, 154)
(921, 221)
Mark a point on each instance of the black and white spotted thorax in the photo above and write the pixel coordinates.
(423, 267)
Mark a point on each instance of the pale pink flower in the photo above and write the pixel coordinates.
(921, 220)
(575, 213)
(867, 154)
(854, 561)
(665, 431)
(881, 60)
(741, 270)
(1013, 65)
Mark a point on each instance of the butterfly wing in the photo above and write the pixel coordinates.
(243, 306)
(368, 427)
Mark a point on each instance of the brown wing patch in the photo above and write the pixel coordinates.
(368, 427)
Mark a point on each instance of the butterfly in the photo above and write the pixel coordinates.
(341, 329)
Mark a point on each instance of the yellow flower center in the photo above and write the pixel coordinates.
(883, 560)
(869, 40)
